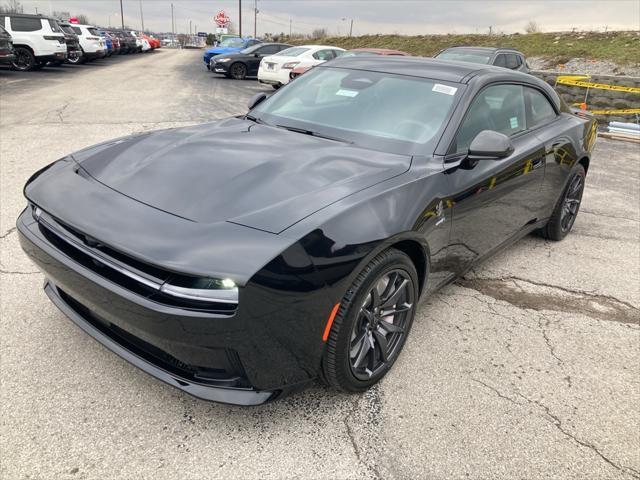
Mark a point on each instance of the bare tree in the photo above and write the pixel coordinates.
(231, 27)
(319, 33)
(83, 19)
(531, 27)
(12, 6)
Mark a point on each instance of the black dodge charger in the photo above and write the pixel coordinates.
(242, 259)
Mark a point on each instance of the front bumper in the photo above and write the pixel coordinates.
(219, 67)
(271, 344)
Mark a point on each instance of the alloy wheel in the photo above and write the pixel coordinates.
(23, 60)
(381, 324)
(571, 203)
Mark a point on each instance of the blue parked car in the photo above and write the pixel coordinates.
(108, 43)
(229, 45)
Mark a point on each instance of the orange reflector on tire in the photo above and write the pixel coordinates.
(327, 328)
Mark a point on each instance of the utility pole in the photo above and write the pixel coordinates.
(240, 17)
(351, 28)
(141, 16)
(173, 26)
(121, 14)
(290, 21)
(255, 19)
(189, 27)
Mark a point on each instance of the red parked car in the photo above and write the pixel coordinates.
(296, 72)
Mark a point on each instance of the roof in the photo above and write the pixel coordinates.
(432, 68)
(481, 49)
(29, 15)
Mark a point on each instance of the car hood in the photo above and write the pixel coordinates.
(237, 171)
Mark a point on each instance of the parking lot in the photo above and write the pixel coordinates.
(527, 368)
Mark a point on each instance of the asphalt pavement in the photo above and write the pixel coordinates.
(527, 368)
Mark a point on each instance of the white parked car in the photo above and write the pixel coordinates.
(92, 44)
(36, 39)
(140, 41)
(275, 69)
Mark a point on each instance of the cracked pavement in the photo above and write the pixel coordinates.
(526, 368)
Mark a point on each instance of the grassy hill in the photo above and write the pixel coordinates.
(619, 47)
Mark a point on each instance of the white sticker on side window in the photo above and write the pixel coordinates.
(514, 122)
(438, 87)
(347, 93)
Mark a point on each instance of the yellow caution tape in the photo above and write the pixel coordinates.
(578, 81)
(622, 111)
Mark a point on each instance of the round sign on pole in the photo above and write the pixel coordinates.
(221, 19)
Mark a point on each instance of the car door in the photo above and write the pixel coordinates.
(253, 62)
(493, 200)
(553, 132)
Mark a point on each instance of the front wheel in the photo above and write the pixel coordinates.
(238, 71)
(372, 323)
(566, 211)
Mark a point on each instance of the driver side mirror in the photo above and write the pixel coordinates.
(256, 99)
(490, 145)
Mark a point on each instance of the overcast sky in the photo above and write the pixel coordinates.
(369, 16)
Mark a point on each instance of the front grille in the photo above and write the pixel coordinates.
(230, 373)
(136, 276)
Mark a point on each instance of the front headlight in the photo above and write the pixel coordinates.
(222, 60)
(203, 290)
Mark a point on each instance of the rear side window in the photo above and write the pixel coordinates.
(541, 110)
(54, 26)
(269, 50)
(324, 55)
(25, 24)
(499, 108)
(93, 31)
(77, 30)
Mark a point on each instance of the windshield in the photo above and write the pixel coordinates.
(460, 55)
(251, 49)
(292, 52)
(232, 42)
(382, 111)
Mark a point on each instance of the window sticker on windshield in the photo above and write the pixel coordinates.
(347, 93)
(438, 87)
(514, 122)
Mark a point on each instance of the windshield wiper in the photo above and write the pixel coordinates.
(312, 133)
(253, 119)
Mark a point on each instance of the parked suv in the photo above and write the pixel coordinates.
(91, 42)
(500, 57)
(36, 40)
(74, 52)
(6, 47)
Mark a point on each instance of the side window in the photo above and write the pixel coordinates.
(513, 61)
(25, 24)
(337, 53)
(541, 110)
(251, 43)
(324, 55)
(269, 50)
(282, 47)
(500, 60)
(77, 30)
(499, 108)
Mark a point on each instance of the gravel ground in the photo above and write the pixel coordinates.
(528, 368)
(584, 66)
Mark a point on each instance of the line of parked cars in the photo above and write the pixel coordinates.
(30, 42)
(277, 64)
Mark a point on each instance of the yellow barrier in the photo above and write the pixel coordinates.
(621, 111)
(578, 81)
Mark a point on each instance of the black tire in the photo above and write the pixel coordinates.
(238, 71)
(567, 208)
(25, 61)
(353, 360)
(276, 87)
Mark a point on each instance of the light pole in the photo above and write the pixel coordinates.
(121, 14)
(255, 19)
(240, 17)
(141, 16)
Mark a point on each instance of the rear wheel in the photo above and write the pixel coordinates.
(276, 87)
(566, 211)
(25, 61)
(372, 324)
(238, 71)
